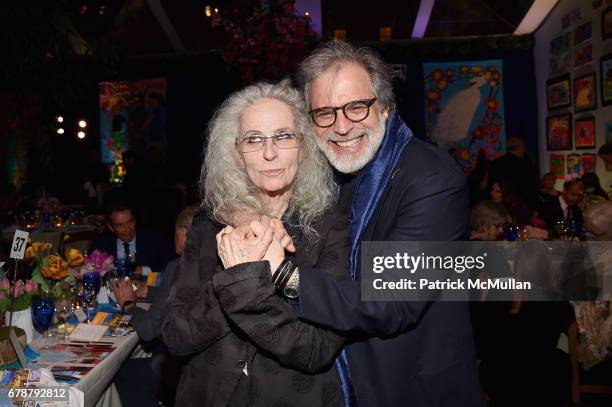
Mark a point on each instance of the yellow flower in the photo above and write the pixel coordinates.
(38, 247)
(29, 253)
(75, 257)
(56, 268)
(48, 245)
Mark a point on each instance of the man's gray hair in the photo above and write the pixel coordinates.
(335, 54)
(225, 187)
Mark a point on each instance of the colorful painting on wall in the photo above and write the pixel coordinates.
(585, 93)
(557, 165)
(605, 79)
(560, 53)
(587, 162)
(585, 132)
(573, 165)
(132, 117)
(558, 92)
(559, 132)
(583, 33)
(464, 109)
(583, 54)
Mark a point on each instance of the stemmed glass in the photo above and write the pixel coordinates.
(65, 307)
(43, 309)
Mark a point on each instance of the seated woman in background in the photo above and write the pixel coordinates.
(487, 221)
(501, 193)
(593, 192)
(245, 343)
(142, 381)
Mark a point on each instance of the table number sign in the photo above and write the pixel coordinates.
(19, 244)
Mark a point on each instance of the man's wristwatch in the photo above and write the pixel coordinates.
(286, 279)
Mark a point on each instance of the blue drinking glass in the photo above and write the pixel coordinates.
(124, 267)
(43, 309)
(512, 232)
(92, 281)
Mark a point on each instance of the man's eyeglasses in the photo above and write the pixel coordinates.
(356, 111)
(254, 142)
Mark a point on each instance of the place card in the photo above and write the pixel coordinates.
(80, 314)
(88, 333)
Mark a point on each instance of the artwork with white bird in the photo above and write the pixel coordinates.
(454, 121)
(464, 109)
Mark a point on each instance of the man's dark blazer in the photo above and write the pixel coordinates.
(551, 212)
(405, 353)
(151, 249)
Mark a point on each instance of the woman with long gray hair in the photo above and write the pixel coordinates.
(245, 342)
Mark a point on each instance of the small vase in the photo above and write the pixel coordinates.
(23, 320)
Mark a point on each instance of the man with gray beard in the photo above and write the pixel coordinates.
(418, 354)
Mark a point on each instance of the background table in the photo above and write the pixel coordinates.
(97, 385)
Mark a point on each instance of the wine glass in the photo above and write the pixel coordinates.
(43, 309)
(89, 302)
(65, 307)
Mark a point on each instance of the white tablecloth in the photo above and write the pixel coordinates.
(98, 384)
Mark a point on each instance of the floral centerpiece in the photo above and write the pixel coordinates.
(98, 261)
(52, 270)
(16, 296)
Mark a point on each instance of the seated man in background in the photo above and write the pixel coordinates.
(564, 210)
(139, 381)
(146, 250)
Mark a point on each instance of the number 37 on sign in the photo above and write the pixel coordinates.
(19, 244)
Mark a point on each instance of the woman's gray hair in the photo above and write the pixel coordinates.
(335, 54)
(225, 187)
(185, 218)
(486, 214)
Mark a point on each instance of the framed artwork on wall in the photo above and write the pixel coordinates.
(559, 92)
(583, 33)
(557, 165)
(585, 93)
(584, 132)
(606, 23)
(587, 162)
(559, 132)
(573, 165)
(583, 54)
(605, 79)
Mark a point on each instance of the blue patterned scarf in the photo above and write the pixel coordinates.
(371, 184)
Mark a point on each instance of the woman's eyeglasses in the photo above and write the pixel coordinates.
(255, 142)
